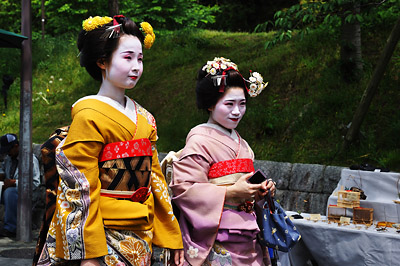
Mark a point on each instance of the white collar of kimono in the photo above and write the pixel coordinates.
(129, 110)
(231, 133)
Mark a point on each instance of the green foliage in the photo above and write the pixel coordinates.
(328, 15)
(244, 15)
(170, 14)
(67, 16)
(10, 10)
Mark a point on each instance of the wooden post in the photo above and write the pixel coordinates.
(24, 212)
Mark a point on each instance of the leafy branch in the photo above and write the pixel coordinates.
(316, 14)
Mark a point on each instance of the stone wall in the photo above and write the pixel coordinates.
(302, 187)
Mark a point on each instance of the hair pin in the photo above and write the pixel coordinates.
(217, 79)
(115, 31)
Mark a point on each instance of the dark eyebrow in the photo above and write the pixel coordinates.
(230, 100)
(130, 52)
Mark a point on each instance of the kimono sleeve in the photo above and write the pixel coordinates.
(79, 227)
(200, 202)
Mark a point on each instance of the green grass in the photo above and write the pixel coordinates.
(299, 118)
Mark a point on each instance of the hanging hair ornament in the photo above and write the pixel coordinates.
(257, 84)
(150, 37)
(94, 23)
(115, 30)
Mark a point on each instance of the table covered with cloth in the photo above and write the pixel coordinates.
(381, 189)
(329, 244)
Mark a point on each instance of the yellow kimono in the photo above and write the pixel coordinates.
(88, 222)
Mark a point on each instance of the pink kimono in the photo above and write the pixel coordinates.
(215, 232)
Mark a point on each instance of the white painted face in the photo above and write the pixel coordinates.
(126, 66)
(229, 109)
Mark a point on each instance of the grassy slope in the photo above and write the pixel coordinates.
(297, 119)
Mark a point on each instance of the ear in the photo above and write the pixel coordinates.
(101, 63)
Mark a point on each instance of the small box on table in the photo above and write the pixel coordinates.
(363, 215)
(348, 199)
(335, 212)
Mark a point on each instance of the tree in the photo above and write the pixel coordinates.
(350, 42)
(372, 86)
(244, 15)
(171, 14)
(113, 7)
(67, 16)
(333, 16)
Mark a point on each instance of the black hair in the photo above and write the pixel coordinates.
(93, 46)
(208, 94)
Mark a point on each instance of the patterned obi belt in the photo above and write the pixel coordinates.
(226, 173)
(125, 170)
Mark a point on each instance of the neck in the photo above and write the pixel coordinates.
(114, 93)
(211, 121)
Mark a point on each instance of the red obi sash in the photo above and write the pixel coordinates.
(231, 167)
(140, 195)
(124, 149)
(125, 170)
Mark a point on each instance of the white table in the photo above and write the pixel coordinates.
(381, 188)
(331, 245)
(334, 245)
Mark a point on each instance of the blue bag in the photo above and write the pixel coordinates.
(278, 231)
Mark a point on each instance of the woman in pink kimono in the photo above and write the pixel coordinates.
(210, 178)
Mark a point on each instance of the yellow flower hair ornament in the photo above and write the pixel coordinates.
(149, 37)
(95, 22)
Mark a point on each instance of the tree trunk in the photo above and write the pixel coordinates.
(372, 86)
(43, 18)
(113, 7)
(350, 51)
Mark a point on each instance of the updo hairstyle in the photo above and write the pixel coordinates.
(207, 95)
(95, 45)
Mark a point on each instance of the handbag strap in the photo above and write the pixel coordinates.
(270, 201)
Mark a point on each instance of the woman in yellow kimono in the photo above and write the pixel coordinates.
(112, 199)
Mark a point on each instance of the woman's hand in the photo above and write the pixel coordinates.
(90, 262)
(265, 186)
(242, 188)
(178, 255)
